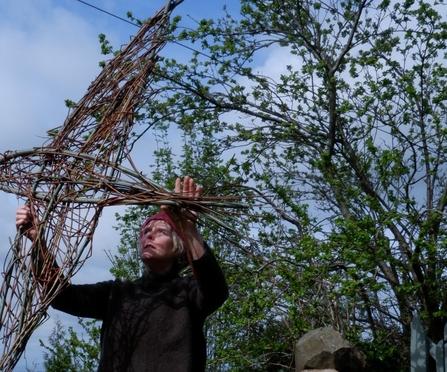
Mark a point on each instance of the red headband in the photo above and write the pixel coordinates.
(161, 216)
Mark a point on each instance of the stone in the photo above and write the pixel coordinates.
(325, 349)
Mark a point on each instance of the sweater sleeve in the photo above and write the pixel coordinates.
(209, 290)
(86, 300)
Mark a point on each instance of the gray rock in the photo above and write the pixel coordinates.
(325, 348)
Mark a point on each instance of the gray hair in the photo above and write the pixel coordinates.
(181, 258)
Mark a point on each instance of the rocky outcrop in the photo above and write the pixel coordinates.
(324, 349)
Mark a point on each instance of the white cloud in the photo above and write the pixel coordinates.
(51, 57)
(48, 54)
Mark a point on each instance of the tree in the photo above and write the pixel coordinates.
(342, 146)
(73, 353)
(345, 144)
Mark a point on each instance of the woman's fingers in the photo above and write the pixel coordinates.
(22, 216)
(198, 191)
(189, 187)
(178, 186)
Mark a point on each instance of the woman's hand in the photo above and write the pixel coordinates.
(26, 222)
(185, 219)
(189, 190)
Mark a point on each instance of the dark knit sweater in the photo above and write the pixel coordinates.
(154, 323)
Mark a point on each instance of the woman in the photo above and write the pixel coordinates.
(154, 323)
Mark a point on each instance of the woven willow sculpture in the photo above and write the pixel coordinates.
(73, 176)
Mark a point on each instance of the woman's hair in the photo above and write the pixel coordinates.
(179, 247)
(181, 258)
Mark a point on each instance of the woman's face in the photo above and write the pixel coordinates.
(157, 246)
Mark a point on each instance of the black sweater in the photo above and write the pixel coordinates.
(154, 323)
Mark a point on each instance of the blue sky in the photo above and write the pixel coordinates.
(50, 52)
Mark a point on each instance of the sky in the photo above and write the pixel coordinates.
(50, 52)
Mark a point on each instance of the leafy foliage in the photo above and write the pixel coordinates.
(344, 140)
(72, 353)
(341, 146)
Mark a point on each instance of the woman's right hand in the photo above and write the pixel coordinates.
(24, 220)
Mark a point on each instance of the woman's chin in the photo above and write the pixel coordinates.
(146, 256)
